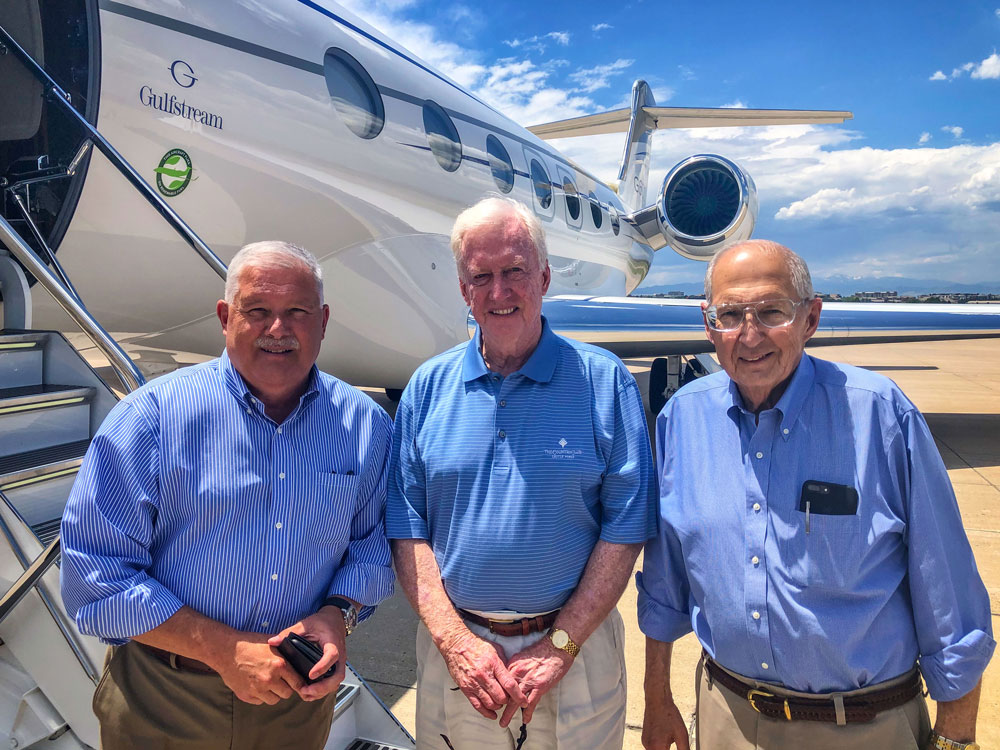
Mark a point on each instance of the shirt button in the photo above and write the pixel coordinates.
(760, 455)
(503, 403)
(265, 624)
(755, 560)
(756, 507)
(785, 431)
(281, 475)
(279, 430)
(755, 615)
(249, 411)
(278, 526)
(274, 576)
(502, 434)
(763, 665)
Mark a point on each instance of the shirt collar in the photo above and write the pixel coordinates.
(540, 367)
(790, 403)
(237, 386)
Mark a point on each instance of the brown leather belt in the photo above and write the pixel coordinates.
(176, 661)
(857, 708)
(512, 627)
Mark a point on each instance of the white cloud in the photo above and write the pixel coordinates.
(538, 42)
(955, 130)
(597, 27)
(997, 11)
(924, 138)
(988, 68)
(686, 73)
(591, 79)
(938, 76)
(735, 104)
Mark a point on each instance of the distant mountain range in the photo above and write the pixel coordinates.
(847, 285)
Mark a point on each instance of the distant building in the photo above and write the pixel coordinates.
(877, 296)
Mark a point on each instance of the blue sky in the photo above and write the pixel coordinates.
(910, 187)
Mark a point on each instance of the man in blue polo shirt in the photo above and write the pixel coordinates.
(519, 496)
(811, 539)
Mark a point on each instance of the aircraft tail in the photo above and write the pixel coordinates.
(633, 173)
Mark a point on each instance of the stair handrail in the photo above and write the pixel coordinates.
(59, 95)
(126, 370)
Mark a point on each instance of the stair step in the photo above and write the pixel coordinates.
(47, 530)
(21, 358)
(346, 695)
(30, 397)
(363, 744)
(11, 336)
(18, 463)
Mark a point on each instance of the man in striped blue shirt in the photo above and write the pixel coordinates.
(222, 507)
(520, 494)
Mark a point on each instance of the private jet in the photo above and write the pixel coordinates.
(143, 142)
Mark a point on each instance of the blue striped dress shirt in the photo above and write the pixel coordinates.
(191, 495)
(835, 602)
(514, 479)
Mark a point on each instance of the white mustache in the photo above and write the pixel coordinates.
(267, 342)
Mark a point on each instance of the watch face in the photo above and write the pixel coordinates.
(560, 638)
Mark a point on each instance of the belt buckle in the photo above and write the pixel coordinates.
(492, 623)
(754, 693)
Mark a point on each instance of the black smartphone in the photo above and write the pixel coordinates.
(303, 655)
(827, 499)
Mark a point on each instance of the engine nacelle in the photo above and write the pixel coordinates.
(707, 203)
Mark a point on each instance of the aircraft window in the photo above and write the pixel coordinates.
(543, 187)
(595, 211)
(572, 200)
(354, 94)
(500, 164)
(615, 222)
(442, 136)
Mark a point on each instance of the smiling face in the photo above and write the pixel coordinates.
(760, 360)
(274, 327)
(503, 284)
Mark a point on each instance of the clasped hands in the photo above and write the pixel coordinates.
(253, 669)
(492, 682)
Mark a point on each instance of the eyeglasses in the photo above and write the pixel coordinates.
(770, 313)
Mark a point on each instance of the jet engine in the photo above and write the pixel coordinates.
(707, 203)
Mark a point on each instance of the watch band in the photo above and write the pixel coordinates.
(561, 640)
(349, 610)
(937, 742)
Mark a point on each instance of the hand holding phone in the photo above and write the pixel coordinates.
(303, 655)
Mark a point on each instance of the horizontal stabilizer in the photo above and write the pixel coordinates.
(617, 120)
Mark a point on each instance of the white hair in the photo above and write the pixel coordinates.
(798, 271)
(271, 254)
(489, 211)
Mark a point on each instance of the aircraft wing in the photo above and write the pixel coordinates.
(617, 120)
(656, 327)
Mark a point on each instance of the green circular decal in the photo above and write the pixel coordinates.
(174, 172)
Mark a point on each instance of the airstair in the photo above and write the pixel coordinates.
(51, 404)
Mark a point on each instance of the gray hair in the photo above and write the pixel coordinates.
(798, 271)
(486, 212)
(272, 254)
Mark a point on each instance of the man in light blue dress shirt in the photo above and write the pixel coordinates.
(520, 495)
(809, 535)
(222, 507)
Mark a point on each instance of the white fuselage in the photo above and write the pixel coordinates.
(272, 158)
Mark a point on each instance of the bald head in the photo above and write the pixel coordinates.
(798, 272)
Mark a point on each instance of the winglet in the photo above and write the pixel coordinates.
(634, 169)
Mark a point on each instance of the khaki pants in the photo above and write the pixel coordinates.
(144, 703)
(584, 711)
(727, 721)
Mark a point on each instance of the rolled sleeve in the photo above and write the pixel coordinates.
(406, 509)
(628, 489)
(951, 607)
(365, 573)
(664, 590)
(106, 531)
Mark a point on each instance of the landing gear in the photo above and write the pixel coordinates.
(668, 374)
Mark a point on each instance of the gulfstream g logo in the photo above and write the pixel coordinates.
(170, 104)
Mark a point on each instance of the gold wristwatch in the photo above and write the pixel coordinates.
(943, 743)
(561, 640)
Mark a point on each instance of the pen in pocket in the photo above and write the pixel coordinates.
(808, 504)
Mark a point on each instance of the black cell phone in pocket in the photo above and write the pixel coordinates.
(827, 499)
(303, 655)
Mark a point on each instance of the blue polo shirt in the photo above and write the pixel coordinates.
(513, 479)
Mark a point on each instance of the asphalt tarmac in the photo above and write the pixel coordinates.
(956, 384)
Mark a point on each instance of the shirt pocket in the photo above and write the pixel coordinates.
(829, 556)
(333, 498)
